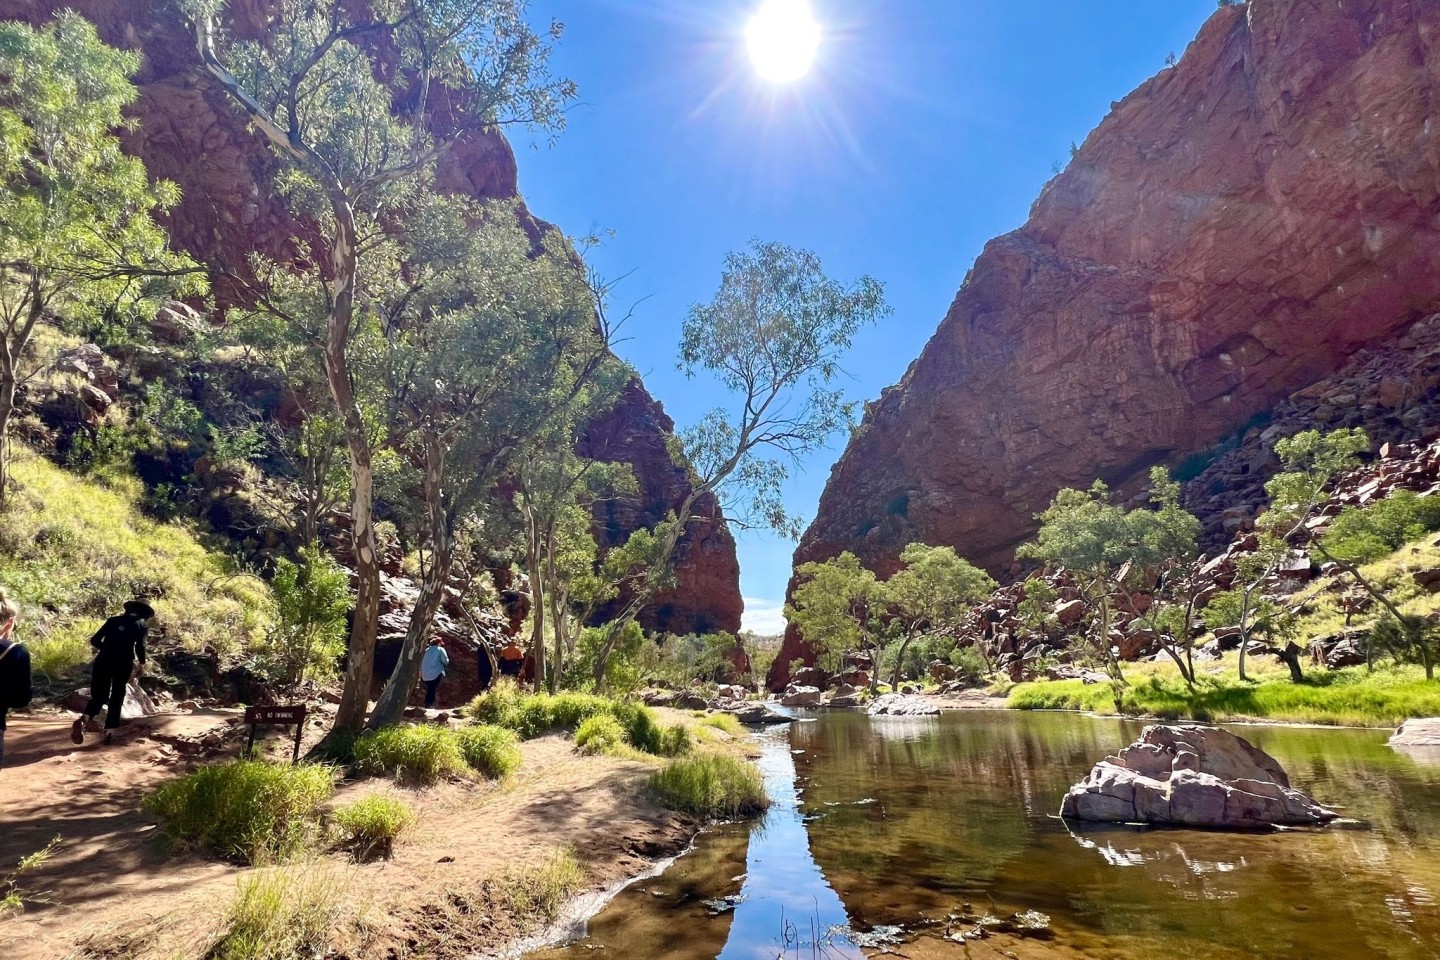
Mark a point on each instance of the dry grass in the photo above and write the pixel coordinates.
(283, 914)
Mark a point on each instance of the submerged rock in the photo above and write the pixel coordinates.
(900, 705)
(1194, 776)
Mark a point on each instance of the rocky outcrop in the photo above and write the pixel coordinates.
(900, 705)
(706, 595)
(186, 131)
(1417, 733)
(1232, 231)
(1192, 776)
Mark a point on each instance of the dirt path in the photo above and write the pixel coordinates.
(112, 889)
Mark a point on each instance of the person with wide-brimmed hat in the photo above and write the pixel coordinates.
(119, 644)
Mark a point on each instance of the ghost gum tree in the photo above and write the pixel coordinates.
(77, 233)
(491, 352)
(773, 337)
(934, 591)
(356, 135)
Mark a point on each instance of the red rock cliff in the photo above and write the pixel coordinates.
(187, 132)
(1233, 230)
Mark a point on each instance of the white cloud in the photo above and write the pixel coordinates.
(765, 617)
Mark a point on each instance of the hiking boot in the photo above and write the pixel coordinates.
(77, 731)
(109, 738)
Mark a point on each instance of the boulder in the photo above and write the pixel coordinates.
(900, 705)
(758, 714)
(1417, 733)
(1193, 776)
(1427, 579)
(1069, 613)
(137, 703)
(1343, 649)
(798, 696)
(843, 700)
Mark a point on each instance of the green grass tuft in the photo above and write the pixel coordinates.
(245, 810)
(724, 722)
(369, 827)
(601, 733)
(489, 750)
(280, 915)
(534, 714)
(711, 785)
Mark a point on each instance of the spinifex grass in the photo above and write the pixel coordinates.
(369, 827)
(426, 753)
(246, 810)
(533, 714)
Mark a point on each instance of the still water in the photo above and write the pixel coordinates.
(885, 831)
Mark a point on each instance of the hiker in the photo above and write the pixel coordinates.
(119, 643)
(512, 658)
(15, 691)
(432, 668)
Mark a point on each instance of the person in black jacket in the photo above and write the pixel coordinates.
(119, 644)
(15, 690)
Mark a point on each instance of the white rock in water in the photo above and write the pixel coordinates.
(1193, 776)
(796, 696)
(900, 705)
(1417, 733)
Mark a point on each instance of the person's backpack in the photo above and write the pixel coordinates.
(14, 676)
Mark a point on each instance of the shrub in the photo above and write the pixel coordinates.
(534, 714)
(601, 733)
(492, 751)
(710, 785)
(311, 600)
(423, 754)
(369, 826)
(675, 742)
(246, 810)
(279, 915)
(1372, 532)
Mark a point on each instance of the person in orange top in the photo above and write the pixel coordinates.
(512, 658)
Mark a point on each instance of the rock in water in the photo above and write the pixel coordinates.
(798, 696)
(1417, 733)
(1191, 776)
(900, 705)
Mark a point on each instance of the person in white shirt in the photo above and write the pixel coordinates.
(432, 668)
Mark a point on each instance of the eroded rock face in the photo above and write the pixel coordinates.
(188, 132)
(1231, 232)
(1191, 776)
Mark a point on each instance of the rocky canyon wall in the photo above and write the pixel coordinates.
(1233, 230)
(186, 131)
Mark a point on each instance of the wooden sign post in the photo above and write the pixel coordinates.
(276, 717)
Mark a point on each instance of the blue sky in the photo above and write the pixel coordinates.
(925, 128)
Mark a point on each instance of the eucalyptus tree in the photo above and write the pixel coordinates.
(935, 591)
(343, 93)
(1103, 545)
(773, 337)
(493, 349)
(838, 606)
(77, 228)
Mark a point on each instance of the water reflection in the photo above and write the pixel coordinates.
(905, 822)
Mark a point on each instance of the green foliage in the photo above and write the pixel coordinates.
(1038, 608)
(937, 587)
(77, 234)
(491, 751)
(712, 786)
(534, 714)
(623, 665)
(369, 827)
(600, 733)
(312, 598)
(969, 664)
(1311, 460)
(1349, 697)
(725, 722)
(832, 607)
(72, 567)
(680, 660)
(1365, 534)
(245, 810)
(427, 753)
(281, 914)
(1263, 614)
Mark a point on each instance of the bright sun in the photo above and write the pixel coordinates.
(782, 38)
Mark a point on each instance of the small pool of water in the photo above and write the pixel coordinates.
(882, 829)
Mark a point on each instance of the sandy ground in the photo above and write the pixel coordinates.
(112, 889)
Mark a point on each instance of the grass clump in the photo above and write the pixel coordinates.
(280, 915)
(540, 888)
(425, 754)
(489, 750)
(370, 826)
(245, 810)
(724, 722)
(710, 785)
(12, 895)
(601, 733)
(534, 714)
(1346, 697)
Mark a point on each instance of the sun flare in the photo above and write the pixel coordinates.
(782, 38)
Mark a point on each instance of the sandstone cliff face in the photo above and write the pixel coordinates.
(187, 132)
(1232, 231)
